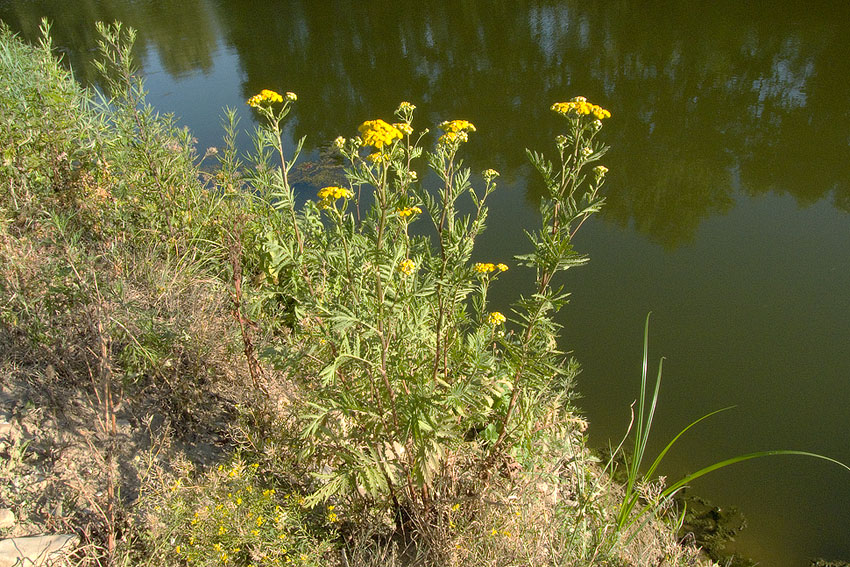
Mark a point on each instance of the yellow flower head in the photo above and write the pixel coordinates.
(406, 107)
(496, 318)
(599, 171)
(266, 96)
(456, 126)
(376, 157)
(456, 131)
(502, 267)
(330, 194)
(482, 268)
(579, 106)
(404, 128)
(377, 133)
(291, 97)
(406, 266)
(408, 211)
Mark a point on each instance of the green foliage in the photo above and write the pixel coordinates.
(47, 128)
(402, 365)
(641, 499)
(236, 515)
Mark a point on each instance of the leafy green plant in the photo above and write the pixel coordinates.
(236, 515)
(403, 364)
(47, 128)
(635, 504)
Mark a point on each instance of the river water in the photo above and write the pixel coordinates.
(728, 192)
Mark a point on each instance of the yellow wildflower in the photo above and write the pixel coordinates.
(335, 193)
(377, 133)
(600, 171)
(266, 96)
(407, 266)
(496, 318)
(456, 131)
(457, 126)
(408, 211)
(579, 106)
(375, 157)
(291, 97)
(406, 107)
(404, 128)
(453, 137)
(482, 268)
(502, 267)
(330, 194)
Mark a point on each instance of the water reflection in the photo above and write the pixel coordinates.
(706, 102)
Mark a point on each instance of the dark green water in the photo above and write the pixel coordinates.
(728, 191)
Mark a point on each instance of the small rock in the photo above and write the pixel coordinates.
(7, 518)
(37, 550)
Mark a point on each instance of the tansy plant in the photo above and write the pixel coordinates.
(406, 371)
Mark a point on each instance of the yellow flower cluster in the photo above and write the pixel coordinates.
(330, 194)
(377, 133)
(408, 211)
(267, 97)
(455, 131)
(579, 106)
(456, 126)
(375, 157)
(482, 268)
(404, 127)
(599, 171)
(406, 107)
(496, 318)
(407, 266)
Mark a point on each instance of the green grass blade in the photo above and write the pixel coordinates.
(669, 491)
(660, 456)
(651, 415)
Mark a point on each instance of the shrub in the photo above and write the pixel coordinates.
(409, 379)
